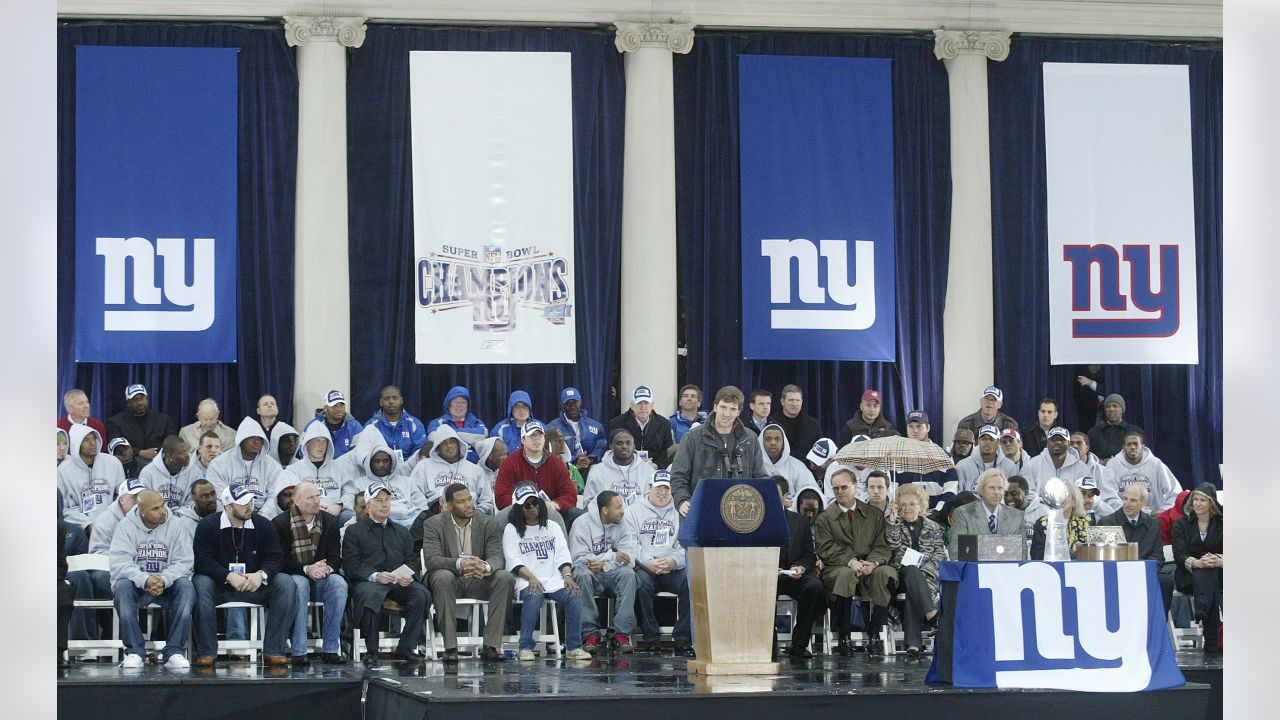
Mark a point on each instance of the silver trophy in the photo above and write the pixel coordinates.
(1054, 495)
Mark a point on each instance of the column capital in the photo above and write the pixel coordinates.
(950, 44)
(668, 34)
(302, 29)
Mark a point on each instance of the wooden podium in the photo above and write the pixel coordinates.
(732, 535)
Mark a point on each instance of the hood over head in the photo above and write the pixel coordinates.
(373, 449)
(457, 391)
(315, 430)
(786, 445)
(75, 437)
(250, 428)
(519, 396)
(278, 433)
(483, 448)
(444, 432)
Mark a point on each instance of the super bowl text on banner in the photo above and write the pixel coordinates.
(1121, 225)
(493, 207)
(816, 149)
(155, 205)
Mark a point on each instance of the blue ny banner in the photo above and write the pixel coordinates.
(816, 149)
(155, 205)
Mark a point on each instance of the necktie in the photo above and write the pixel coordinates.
(1134, 522)
(849, 514)
(991, 523)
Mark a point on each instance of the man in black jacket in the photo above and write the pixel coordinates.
(802, 430)
(372, 550)
(651, 431)
(1142, 528)
(145, 430)
(801, 585)
(312, 559)
(238, 559)
(1106, 439)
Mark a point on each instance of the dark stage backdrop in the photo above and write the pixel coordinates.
(1179, 406)
(267, 163)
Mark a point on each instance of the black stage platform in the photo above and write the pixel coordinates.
(651, 685)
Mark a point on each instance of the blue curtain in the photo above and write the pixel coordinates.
(380, 187)
(267, 164)
(708, 217)
(1179, 406)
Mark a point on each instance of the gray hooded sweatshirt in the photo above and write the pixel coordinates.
(104, 528)
(630, 481)
(432, 475)
(174, 488)
(590, 539)
(794, 470)
(87, 491)
(968, 469)
(406, 500)
(278, 433)
(137, 552)
(654, 530)
(259, 474)
(330, 478)
(1040, 469)
(1162, 486)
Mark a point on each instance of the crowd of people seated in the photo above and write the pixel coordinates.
(398, 512)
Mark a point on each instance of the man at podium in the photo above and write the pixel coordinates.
(722, 447)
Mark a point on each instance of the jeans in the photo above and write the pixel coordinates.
(278, 595)
(330, 590)
(621, 581)
(532, 604)
(89, 585)
(649, 585)
(178, 599)
(237, 624)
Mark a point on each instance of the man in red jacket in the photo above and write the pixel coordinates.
(533, 464)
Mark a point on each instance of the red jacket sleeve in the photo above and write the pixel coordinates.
(566, 493)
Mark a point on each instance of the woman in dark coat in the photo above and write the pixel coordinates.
(1197, 554)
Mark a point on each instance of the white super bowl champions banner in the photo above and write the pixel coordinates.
(1121, 226)
(493, 207)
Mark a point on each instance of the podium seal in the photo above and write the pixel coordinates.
(742, 508)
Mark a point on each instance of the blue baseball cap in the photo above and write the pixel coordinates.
(570, 393)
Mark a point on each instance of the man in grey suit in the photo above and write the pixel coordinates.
(1142, 528)
(462, 552)
(988, 516)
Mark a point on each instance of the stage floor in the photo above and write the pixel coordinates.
(886, 687)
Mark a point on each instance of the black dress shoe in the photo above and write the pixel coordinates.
(913, 656)
(648, 646)
(799, 653)
(300, 661)
(409, 656)
(333, 658)
(844, 648)
(875, 647)
(450, 655)
(683, 648)
(489, 654)
(372, 661)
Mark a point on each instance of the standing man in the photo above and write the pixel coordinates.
(238, 559)
(867, 420)
(173, 475)
(688, 413)
(585, 436)
(371, 551)
(1142, 528)
(987, 457)
(342, 428)
(1035, 438)
(151, 562)
(603, 560)
(722, 447)
(268, 412)
(76, 402)
(988, 413)
(653, 523)
(402, 431)
(462, 551)
(800, 583)
(802, 430)
(652, 432)
(312, 559)
(759, 405)
(144, 430)
(1107, 438)
(207, 420)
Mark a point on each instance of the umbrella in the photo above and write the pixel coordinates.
(896, 454)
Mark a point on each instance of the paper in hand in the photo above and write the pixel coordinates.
(403, 572)
(911, 556)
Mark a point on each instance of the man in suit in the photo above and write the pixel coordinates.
(371, 550)
(1142, 528)
(799, 559)
(855, 557)
(988, 516)
(463, 556)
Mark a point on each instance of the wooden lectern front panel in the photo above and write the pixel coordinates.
(734, 596)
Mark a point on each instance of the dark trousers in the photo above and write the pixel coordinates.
(649, 585)
(811, 602)
(415, 599)
(1206, 587)
(919, 603)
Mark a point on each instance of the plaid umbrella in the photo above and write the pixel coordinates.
(895, 454)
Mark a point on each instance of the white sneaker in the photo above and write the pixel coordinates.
(177, 661)
(578, 654)
(132, 662)
(528, 655)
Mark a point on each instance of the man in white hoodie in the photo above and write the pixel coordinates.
(87, 478)
(318, 467)
(778, 460)
(248, 464)
(1136, 464)
(151, 562)
(382, 464)
(654, 522)
(1056, 460)
(987, 457)
(447, 464)
(604, 555)
(619, 470)
(96, 584)
(172, 474)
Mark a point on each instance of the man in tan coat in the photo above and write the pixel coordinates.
(850, 540)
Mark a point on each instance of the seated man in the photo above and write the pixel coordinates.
(990, 516)
(867, 420)
(1136, 464)
(342, 428)
(447, 464)
(1107, 438)
(403, 432)
(820, 459)
(1056, 460)
(809, 503)
(458, 415)
(584, 435)
(620, 471)
(122, 451)
(1017, 495)
(207, 420)
(283, 441)
(172, 473)
(87, 478)
(1140, 527)
(151, 561)
(1011, 448)
(532, 461)
(462, 553)
(76, 403)
(603, 561)
(144, 429)
(652, 432)
(988, 457)
(778, 460)
(204, 502)
(238, 559)
(653, 522)
(850, 541)
(1108, 496)
(381, 466)
(961, 445)
(934, 484)
(800, 583)
(988, 413)
(519, 413)
(312, 559)
(371, 551)
(688, 413)
(490, 452)
(878, 493)
(246, 463)
(319, 467)
(210, 448)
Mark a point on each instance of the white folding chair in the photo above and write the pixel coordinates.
(253, 644)
(105, 647)
(475, 610)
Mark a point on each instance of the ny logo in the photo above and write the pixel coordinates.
(1164, 303)
(859, 298)
(197, 296)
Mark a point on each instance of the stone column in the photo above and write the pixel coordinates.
(969, 347)
(322, 314)
(648, 298)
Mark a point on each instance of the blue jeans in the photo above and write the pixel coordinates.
(89, 585)
(278, 596)
(648, 586)
(621, 581)
(177, 599)
(237, 624)
(532, 604)
(330, 590)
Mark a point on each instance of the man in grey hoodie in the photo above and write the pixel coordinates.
(151, 563)
(248, 464)
(1056, 460)
(620, 470)
(172, 474)
(1136, 464)
(604, 559)
(447, 464)
(87, 478)
(653, 522)
(318, 467)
